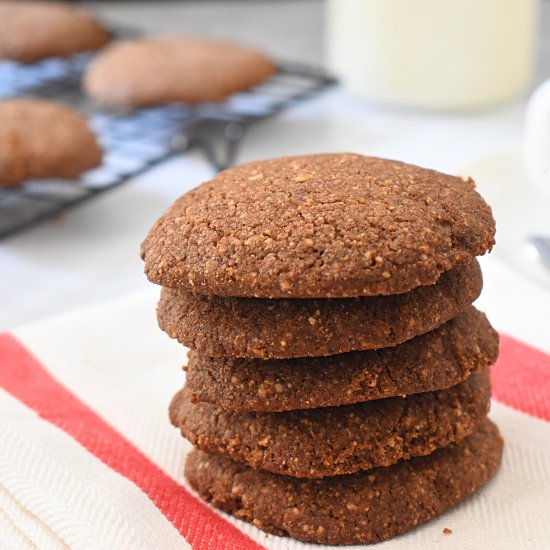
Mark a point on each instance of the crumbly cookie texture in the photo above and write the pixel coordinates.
(285, 328)
(155, 70)
(337, 440)
(319, 226)
(33, 30)
(437, 360)
(41, 139)
(361, 508)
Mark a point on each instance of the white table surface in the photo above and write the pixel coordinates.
(90, 255)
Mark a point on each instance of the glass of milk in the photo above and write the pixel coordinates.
(433, 54)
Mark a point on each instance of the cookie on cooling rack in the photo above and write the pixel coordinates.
(40, 139)
(34, 30)
(156, 70)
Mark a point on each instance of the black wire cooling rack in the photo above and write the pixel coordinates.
(134, 141)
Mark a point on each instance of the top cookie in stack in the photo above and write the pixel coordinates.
(327, 303)
(319, 226)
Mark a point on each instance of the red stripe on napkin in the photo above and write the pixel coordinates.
(521, 378)
(27, 380)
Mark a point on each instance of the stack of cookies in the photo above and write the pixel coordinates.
(338, 385)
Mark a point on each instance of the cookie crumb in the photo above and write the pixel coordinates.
(447, 531)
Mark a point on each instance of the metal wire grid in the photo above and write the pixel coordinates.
(134, 141)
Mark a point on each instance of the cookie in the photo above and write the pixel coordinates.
(12, 165)
(361, 508)
(319, 226)
(437, 360)
(33, 30)
(39, 139)
(157, 70)
(285, 328)
(336, 440)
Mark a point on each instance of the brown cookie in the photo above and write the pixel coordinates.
(361, 508)
(156, 70)
(39, 139)
(33, 30)
(337, 440)
(285, 328)
(435, 361)
(319, 226)
(12, 164)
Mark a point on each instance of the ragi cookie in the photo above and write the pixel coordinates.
(284, 328)
(41, 139)
(33, 30)
(337, 440)
(12, 164)
(437, 360)
(361, 508)
(319, 226)
(156, 70)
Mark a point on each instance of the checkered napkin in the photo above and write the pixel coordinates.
(89, 460)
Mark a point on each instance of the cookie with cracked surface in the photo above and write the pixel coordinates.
(40, 139)
(437, 360)
(33, 30)
(285, 328)
(336, 440)
(163, 69)
(361, 508)
(318, 226)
